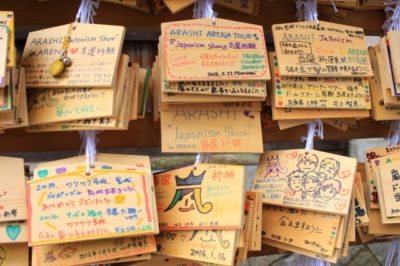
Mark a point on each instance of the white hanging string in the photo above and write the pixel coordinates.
(89, 142)
(315, 128)
(394, 247)
(87, 10)
(392, 9)
(85, 14)
(204, 9)
(394, 133)
(334, 6)
(307, 10)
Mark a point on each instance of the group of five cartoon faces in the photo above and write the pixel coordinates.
(314, 179)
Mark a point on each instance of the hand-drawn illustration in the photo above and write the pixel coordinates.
(13, 231)
(274, 167)
(295, 181)
(328, 168)
(39, 99)
(3, 256)
(314, 180)
(49, 257)
(306, 179)
(208, 236)
(307, 162)
(329, 189)
(310, 185)
(67, 253)
(189, 198)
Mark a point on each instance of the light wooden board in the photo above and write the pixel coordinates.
(212, 246)
(308, 230)
(209, 196)
(227, 50)
(321, 49)
(13, 190)
(94, 50)
(106, 207)
(89, 252)
(221, 130)
(311, 180)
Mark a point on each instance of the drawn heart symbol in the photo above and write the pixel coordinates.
(344, 174)
(119, 199)
(13, 231)
(43, 173)
(61, 170)
(106, 167)
(183, 237)
(340, 206)
(289, 193)
(73, 50)
(344, 192)
(292, 155)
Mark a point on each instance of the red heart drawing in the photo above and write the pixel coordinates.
(344, 174)
(344, 192)
(340, 206)
(292, 155)
(289, 193)
(73, 50)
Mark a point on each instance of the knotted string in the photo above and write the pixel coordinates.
(307, 261)
(394, 247)
(85, 14)
(392, 9)
(315, 128)
(87, 10)
(307, 10)
(89, 142)
(394, 133)
(204, 9)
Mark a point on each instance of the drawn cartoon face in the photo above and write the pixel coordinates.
(3, 256)
(187, 203)
(41, 99)
(329, 189)
(295, 180)
(328, 168)
(310, 181)
(307, 162)
(67, 253)
(49, 256)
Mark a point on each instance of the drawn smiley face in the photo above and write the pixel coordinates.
(187, 203)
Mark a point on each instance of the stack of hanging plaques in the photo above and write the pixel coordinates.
(382, 184)
(313, 79)
(105, 215)
(385, 85)
(211, 81)
(205, 215)
(94, 92)
(14, 248)
(13, 108)
(308, 202)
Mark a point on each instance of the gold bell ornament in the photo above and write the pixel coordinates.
(59, 65)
